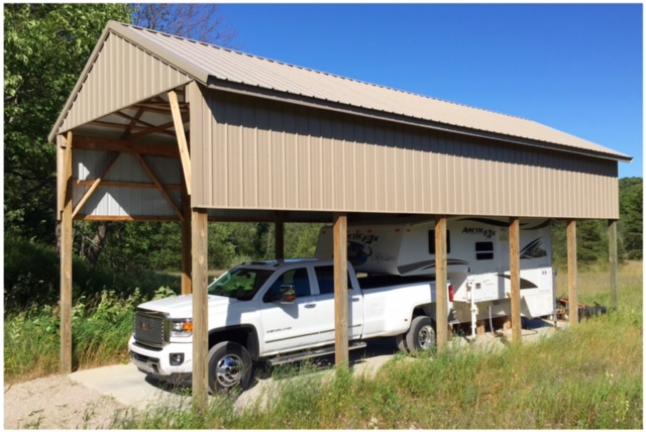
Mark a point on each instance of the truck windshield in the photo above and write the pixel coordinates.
(240, 283)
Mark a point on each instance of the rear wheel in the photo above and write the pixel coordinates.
(421, 335)
(229, 366)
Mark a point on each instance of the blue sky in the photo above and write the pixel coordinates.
(577, 67)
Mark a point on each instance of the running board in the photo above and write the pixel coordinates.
(310, 354)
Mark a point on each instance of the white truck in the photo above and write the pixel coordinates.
(279, 312)
(284, 311)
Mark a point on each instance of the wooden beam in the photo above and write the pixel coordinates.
(181, 139)
(186, 243)
(95, 184)
(514, 275)
(280, 240)
(165, 110)
(160, 128)
(161, 189)
(613, 262)
(67, 239)
(126, 185)
(121, 146)
(130, 218)
(441, 301)
(572, 273)
(107, 124)
(340, 233)
(199, 230)
(133, 122)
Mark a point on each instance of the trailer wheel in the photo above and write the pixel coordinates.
(400, 340)
(229, 366)
(421, 335)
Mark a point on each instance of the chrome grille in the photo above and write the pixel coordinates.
(150, 328)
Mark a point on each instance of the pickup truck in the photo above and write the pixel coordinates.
(279, 311)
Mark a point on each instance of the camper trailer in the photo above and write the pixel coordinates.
(477, 261)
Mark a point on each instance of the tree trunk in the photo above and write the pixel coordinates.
(93, 252)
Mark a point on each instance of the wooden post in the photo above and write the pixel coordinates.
(480, 329)
(67, 238)
(341, 289)
(514, 275)
(186, 243)
(280, 240)
(572, 275)
(199, 230)
(613, 261)
(441, 301)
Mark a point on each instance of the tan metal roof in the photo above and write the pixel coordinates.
(204, 61)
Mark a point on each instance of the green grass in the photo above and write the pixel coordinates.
(582, 378)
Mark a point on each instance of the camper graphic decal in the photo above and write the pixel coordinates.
(430, 264)
(358, 253)
(533, 250)
(488, 233)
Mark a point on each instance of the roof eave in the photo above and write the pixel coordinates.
(240, 88)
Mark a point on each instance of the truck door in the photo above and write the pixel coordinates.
(325, 305)
(289, 325)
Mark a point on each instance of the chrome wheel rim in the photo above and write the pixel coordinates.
(229, 370)
(426, 337)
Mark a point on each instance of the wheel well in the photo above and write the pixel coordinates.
(424, 310)
(243, 335)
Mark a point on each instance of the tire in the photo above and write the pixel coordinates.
(229, 367)
(400, 340)
(421, 335)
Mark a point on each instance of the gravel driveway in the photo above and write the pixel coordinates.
(56, 402)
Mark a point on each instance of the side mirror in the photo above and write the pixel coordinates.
(287, 294)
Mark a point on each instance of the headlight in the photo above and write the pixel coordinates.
(181, 327)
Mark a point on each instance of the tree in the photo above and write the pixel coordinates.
(45, 49)
(201, 22)
(631, 225)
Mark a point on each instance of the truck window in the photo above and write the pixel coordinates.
(296, 279)
(484, 251)
(325, 278)
(431, 242)
(240, 283)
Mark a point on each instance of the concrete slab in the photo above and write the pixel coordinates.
(127, 385)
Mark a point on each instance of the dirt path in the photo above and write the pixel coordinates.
(56, 402)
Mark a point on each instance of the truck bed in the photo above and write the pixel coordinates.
(381, 281)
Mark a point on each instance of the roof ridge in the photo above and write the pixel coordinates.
(234, 51)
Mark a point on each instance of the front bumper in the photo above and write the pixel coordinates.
(157, 362)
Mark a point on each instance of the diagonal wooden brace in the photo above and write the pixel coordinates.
(95, 185)
(181, 139)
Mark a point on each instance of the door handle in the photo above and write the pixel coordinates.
(355, 299)
(310, 305)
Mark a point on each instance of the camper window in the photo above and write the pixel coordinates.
(431, 242)
(484, 251)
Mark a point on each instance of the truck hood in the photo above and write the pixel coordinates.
(182, 306)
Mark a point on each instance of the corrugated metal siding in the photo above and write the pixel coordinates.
(242, 68)
(117, 201)
(122, 74)
(255, 154)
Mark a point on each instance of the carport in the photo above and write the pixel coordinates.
(161, 128)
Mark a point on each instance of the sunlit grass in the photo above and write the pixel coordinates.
(586, 377)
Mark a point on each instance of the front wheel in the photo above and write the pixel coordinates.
(421, 335)
(229, 366)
